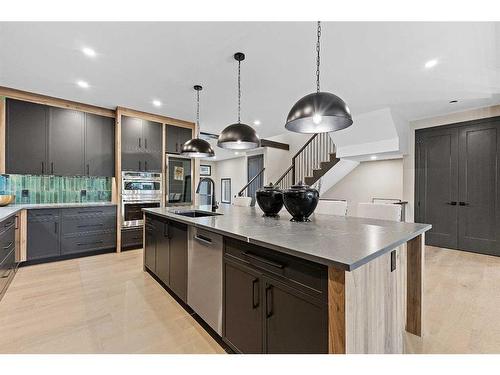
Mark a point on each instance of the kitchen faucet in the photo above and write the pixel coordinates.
(215, 205)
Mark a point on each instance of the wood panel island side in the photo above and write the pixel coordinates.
(339, 285)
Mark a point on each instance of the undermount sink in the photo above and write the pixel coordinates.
(196, 213)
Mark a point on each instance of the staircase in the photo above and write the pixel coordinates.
(311, 162)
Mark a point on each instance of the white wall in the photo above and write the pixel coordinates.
(409, 160)
(235, 169)
(370, 179)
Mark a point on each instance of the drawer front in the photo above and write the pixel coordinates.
(80, 223)
(97, 210)
(309, 277)
(84, 243)
(7, 224)
(8, 264)
(7, 243)
(132, 237)
(46, 214)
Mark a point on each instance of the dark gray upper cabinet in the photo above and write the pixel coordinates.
(176, 137)
(141, 145)
(99, 145)
(26, 137)
(50, 140)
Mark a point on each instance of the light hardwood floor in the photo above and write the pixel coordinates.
(107, 304)
(98, 304)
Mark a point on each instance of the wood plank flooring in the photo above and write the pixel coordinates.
(99, 304)
(107, 304)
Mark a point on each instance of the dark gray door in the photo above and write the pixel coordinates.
(162, 252)
(99, 145)
(242, 307)
(255, 165)
(43, 234)
(152, 134)
(178, 259)
(436, 194)
(150, 244)
(172, 135)
(132, 144)
(26, 137)
(66, 142)
(295, 323)
(479, 170)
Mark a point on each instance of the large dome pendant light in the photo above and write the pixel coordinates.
(319, 112)
(238, 136)
(197, 147)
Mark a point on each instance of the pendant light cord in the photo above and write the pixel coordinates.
(318, 45)
(239, 91)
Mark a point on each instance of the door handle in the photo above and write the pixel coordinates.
(145, 165)
(140, 164)
(43, 167)
(145, 143)
(452, 203)
(9, 245)
(55, 227)
(463, 203)
(204, 240)
(269, 301)
(88, 170)
(139, 142)
(255, 296)
(52, 168)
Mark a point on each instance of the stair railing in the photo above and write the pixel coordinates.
(242, 191)
(316, 150)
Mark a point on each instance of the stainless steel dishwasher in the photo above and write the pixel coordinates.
(204, 293)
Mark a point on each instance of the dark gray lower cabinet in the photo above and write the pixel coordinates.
(273, 303)
(242, 308)
(7, 253)
(131, 238)
(43, 234)
(166, 253)
(56, 232)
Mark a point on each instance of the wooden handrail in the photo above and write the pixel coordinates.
(303, 147)
(240, 193)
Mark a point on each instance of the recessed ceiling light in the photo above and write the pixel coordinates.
(373, 157)
(156, 103)
(453, 101)
(256, 122)
(83, 84)
(431, 63)
(236, 153)
(88, 51)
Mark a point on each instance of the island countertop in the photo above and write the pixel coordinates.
(340, 241)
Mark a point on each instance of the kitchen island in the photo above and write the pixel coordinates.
(336, 284)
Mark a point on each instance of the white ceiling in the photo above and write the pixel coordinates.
(370, 65)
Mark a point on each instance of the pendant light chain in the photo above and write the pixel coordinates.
(239, 91)
(198, 111)
(318, 45)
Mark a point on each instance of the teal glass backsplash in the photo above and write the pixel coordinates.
(56, 189)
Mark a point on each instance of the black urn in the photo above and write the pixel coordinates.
(300, 201)
(270, 200)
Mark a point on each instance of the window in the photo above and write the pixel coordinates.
(225, 190)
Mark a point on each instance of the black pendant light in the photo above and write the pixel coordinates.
(319, 112)
(197, 147)
(238, 136)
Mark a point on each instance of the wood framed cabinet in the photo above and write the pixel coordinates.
(273, 303)
(44, 140)
(176, 137)
(165, 253)
(141, 145)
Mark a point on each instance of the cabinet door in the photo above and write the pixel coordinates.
(43, 234)
(172, 140)
(26, 137)
(294, 322)
(132, 143)
(178, 259)
(150, 245)
(242, 308)
(162, 252)
(185, 135)
(66, 142)
(152, 134)
(99, 145)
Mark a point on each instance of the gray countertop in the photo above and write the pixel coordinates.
(6, 212)
(340, 241)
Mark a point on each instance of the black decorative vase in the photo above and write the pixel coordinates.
(270, 200)
(300, 201)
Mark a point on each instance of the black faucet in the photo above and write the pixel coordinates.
(215, 205)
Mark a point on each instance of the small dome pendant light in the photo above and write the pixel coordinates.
(238, 136)
(319, 112)
(197, 147)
